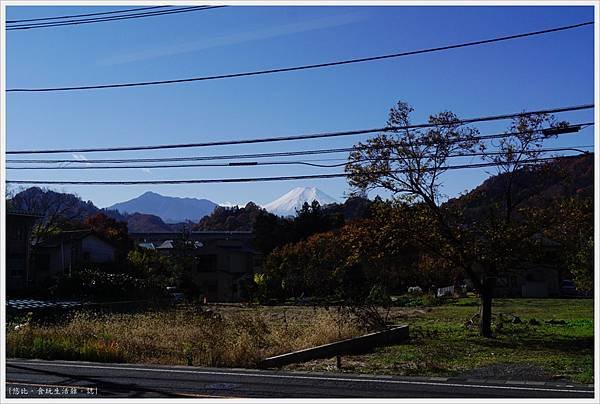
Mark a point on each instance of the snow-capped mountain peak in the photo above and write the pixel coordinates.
(292, 201)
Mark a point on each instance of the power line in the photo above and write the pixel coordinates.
(113, 18)
(230, 164)
(246, 156)
(251, 179)
(306, 67)
(301, 137)
(269, 163)
(192, 158)
(84, 15)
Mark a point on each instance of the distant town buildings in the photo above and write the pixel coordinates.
(223, 260)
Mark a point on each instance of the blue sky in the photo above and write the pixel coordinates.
(546, 71)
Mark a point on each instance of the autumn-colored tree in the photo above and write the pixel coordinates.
(384, 245)
(358, 266)
(581, 265)
(410, 162)
(271, 231)
(304, 268)
(112, 230)
(349, 262)
(150, 264)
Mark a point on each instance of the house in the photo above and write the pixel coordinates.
(539, 278)
(69, 250)
(540, 281)
(19, 225)
(535, 282)
(224, 261)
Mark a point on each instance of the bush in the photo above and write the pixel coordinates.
(410, 300)
(97, 285)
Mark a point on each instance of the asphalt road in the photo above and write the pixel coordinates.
(36, 378)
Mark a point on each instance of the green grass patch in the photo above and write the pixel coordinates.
(553, 336)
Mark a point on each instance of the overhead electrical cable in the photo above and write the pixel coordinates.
(244, 156)
(309, 66)
(113, 18)
(306, 136)
(251, 179)
(269, 163)
(84, 15)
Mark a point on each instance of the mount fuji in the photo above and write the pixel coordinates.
(288, 204)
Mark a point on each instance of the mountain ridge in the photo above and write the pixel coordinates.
(575, 177)
(170, 209)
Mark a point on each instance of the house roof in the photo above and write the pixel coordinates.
(69, 236)
(166, 245)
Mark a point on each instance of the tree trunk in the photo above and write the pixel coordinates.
(485, 311)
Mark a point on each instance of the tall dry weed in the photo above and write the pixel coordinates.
(229, 338)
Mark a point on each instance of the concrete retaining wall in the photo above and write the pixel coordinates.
(360, 344)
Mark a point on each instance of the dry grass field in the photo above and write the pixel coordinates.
(225, 336)
(545, 339)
